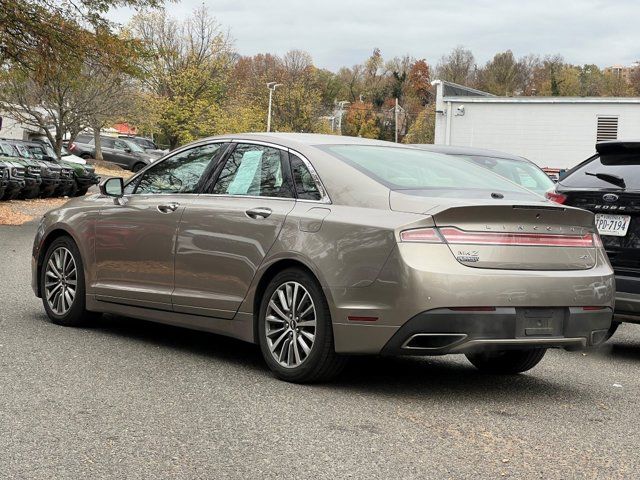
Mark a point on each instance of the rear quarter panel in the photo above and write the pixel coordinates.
(345, 247)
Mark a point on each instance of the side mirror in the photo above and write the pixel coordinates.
(112, 187)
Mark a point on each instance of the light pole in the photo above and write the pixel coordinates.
(272, 88)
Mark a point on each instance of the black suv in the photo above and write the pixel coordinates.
(4, 178)
(49, 170)
(608, 184)
(31, 171)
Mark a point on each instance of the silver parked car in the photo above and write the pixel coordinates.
(316, 247)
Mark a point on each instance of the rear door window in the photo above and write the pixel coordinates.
(306, 188)
(253, 170)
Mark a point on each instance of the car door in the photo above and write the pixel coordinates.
(107, 146)
(135, 235)
(225, 234)
(122, 151)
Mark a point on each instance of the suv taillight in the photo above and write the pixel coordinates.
(556, 197)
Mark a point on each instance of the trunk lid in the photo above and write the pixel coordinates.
(511, 234)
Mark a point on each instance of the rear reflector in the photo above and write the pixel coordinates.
(593, 308)
(362, 319)
(454, 235)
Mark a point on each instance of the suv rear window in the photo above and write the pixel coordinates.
(625, 165)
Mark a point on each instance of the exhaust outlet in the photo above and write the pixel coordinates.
(433, 341)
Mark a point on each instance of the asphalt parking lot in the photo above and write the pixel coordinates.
(131, 399)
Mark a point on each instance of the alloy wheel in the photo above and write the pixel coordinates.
(61, 281)
(290, 324)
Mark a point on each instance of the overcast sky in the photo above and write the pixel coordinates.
(344, 32)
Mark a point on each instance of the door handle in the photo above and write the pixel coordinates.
(259, 212)
(168, 207)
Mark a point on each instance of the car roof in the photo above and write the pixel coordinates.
(25, 142)
(480, 152)
(293, 140)
(618, 146)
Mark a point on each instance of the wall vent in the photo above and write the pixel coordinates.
(607, 129)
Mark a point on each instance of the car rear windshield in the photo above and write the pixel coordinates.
(519, 171)
(625, 165)
(411, 169)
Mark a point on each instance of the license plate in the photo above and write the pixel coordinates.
(614, 225)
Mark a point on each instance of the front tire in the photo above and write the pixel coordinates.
(62, 284)
(507, 362)
(137, 167)
(295, 329)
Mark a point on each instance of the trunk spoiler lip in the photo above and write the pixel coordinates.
(548, 207)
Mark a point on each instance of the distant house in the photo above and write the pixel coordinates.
(555, 132)
(125, 129)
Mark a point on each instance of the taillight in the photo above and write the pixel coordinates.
(424, 235)
(556, 197)
(72, 147)
(597, 241)
(454, 236)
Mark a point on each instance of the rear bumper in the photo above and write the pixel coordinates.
(443, 331)
(366, 318)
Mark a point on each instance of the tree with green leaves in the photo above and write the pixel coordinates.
(32, 30)
(457, 67)
(422, 129)
(361, 121)
(186, 72)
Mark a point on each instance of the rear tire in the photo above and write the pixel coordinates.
(86, 156)
(612, 330)
(65, 305)
(297, 345)
(137, 167)
(506, 362)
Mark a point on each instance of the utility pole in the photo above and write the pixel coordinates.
(341, 111)
(272, 88)
(396, 118)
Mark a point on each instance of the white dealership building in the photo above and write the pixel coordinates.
(554, 132)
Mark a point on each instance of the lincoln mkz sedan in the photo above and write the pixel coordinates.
(320, 247)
